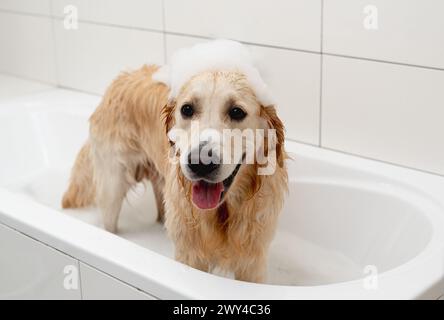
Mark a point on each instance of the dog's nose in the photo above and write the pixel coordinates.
(203, 168)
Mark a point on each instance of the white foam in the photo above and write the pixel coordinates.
(213, 55)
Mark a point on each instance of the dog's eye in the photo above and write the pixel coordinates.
(187, 110)
(237, 113)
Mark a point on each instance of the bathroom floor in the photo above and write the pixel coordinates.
(292, 261)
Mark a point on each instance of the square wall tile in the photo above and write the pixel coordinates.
(130, 13)
(90, 57)
(294, 79)
(383, 111)
(286, 23)
(27, 48)
(406, 31)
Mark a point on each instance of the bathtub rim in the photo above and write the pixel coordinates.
(166, 279)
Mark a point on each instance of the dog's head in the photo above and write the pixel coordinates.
(218, 128)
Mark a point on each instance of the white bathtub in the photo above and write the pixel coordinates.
(344, 219)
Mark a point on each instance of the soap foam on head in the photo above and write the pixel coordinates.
(223, 55)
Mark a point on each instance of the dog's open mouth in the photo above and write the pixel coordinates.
(207, 195)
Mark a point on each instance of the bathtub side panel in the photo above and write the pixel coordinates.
(97, 285)
(31, 270)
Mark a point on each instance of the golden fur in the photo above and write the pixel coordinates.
(128, 142)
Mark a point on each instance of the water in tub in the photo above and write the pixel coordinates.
(292, 260)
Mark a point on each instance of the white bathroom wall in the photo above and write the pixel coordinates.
(112, 36)
(292, 24)
(409, 31)
(90, 57)
(384, 111)
(27, 46)
(38, 7)
(298, 100)
(360, 77)
(143, 14)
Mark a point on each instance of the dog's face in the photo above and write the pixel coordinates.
(214, 110)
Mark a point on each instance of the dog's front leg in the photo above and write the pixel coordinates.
(192, 260)
(111, 187)
(252, 269)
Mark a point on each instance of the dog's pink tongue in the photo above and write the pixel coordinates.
(207, 195)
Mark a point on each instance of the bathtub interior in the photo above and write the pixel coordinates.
(331, 228)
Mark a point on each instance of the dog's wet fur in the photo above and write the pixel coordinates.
(128, 143)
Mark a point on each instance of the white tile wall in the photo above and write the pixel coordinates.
(384, 111)
(409, 31)
(128, 13)
(42, 7)
(286, 23)
(294, 79)
(27, 46)
(379, 110)
(90, 57)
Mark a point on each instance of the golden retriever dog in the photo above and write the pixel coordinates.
(218, 213)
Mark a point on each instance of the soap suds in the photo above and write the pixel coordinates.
(224, 55)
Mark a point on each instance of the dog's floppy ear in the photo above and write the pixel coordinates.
(168, 115)
(269, 114)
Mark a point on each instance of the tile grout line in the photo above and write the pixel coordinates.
(64, 87)
(80, 279)
(112, 25)
(118, 279)
(38, 241)
(56, 17)
(42, 242)
(31, 14)
(164, 31)
(245, 42)
(164, 34)
(321, 74)
(23, 77)
(433, 173)
(180, 34)
(321, 100)
(53, 30)
(395, 63)
(61, 87)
